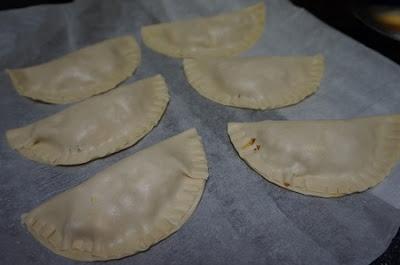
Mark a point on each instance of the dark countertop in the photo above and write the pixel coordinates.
(391, 255)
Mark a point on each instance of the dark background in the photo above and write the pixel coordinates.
(341, 15)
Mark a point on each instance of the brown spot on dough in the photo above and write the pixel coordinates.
(249, 143)
(286, 184)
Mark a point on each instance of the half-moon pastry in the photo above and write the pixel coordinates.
(80, 74)
(129, 206)
(255, 82)
(96, 127)
(326, 158)
(225, 34)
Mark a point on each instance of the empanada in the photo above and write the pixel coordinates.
(80, 74)
(128, 207)
(326, 158)
(222, 35)
(255, 82)
(95, 127)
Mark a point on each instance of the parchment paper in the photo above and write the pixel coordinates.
(242, 218)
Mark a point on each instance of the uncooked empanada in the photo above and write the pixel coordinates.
(255, 82)
(324, 158)
(222, 35)
(95, 127)
(128, 207)
(80, 74)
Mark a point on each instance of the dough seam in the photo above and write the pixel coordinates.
(74, 156)
(246, 43)
(132, 58)
(205, 87)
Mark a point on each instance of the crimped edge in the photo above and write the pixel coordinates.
(386, 156)
(132, 56)
(73, 157)
(247, 42)
(175, 221)
(205, 87)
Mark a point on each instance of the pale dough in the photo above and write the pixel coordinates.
(129, 206)
(326, 158)
(222, 35)
(80, 74)
(95, 127)
(255, 82)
